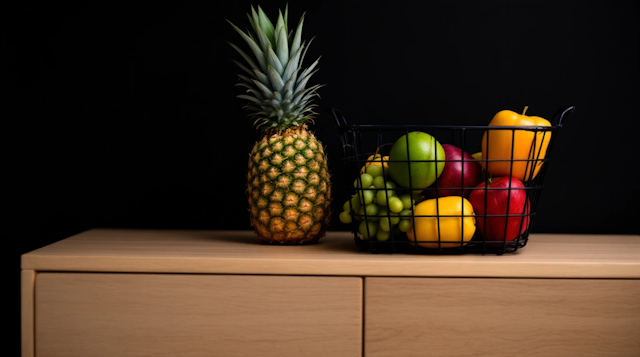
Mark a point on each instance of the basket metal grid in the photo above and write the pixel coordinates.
(360, 142)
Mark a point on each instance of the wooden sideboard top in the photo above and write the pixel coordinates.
(240, 252)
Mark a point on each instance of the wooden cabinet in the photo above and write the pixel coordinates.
(502, 317)
(115, 314)
(110, 292)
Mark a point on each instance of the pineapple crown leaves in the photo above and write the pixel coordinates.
(275, 83)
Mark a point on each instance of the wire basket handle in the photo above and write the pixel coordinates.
(341, 127)
(562, 112)
(337, 115)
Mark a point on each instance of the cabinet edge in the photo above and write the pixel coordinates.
(27, 307)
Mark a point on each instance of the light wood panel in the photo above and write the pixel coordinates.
(27, 282)
(501, 317)
(197, 315)
(240, 252)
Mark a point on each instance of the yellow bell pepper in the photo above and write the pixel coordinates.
(455, 231)
(502, 141)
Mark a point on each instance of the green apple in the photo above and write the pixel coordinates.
(416, 160)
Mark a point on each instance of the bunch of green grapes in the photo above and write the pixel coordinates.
(377, 206)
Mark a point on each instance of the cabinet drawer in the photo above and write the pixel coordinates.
(501, 317)
(107, 314)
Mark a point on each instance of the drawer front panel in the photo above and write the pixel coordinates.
(197, 315)
(501, 317)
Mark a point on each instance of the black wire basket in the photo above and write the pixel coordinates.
(442, 210)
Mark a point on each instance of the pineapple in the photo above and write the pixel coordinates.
(288, 186)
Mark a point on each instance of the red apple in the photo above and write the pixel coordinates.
(451, 180)
(504, 196)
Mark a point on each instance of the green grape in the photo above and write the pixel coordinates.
(405, 214)
(395, 205)
(345, 217)
(390, 188)
(374, 170)
(367, 196)
(372, 210)
(384, 224)
(390, 217)
(407, 201)
(381, 197)
(365, 180)
(383, 235)
(379, 182)
(352, 205)
(404, 225)
(368, 229)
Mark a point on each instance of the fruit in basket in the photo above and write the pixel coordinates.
(504, 196)
(379, 161)
(485, 174)
(288, 185)
(375, 170)
(364, 180)
(412, 160)
(453, 231)
(465, 172)
(345, 217)
(368, 229)
(386, 192)
(528, 145)
(377, 208)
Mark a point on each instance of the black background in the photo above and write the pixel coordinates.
(126, 115)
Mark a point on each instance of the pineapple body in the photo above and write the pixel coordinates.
(289, 188)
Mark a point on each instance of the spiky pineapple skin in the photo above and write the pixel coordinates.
(289, 188)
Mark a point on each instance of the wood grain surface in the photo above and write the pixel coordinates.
(27, 313)
(197, 315)
(240, 252)
(501, 317)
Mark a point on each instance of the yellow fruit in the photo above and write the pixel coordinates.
(375, 160)
(454, 231)
(478, 155)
